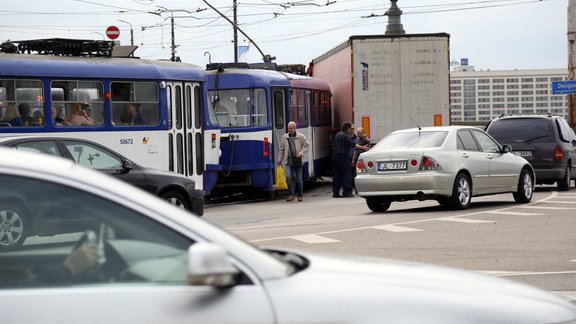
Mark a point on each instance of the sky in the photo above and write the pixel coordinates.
(492, 34)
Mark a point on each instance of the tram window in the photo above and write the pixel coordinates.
(199, 155)
(21, 98)
(67, 93)
(180, 153)
(189, 107)
(260, 112)
(279, 109)
(178, 90)
(189, 155)
(298, 107)
(169, 101)
(135, 103)
(171, 152)
(198, 108)
(239, 107)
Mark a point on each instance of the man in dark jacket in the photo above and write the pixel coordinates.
(342, 161)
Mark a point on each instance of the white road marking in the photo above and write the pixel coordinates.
(313, 239)
(573, 260)
(552, 195)
(512, 213)
(394, 228)
(464, 220)
(558, 202)
(548, 207)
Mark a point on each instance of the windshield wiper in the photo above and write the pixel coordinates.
(528, 141)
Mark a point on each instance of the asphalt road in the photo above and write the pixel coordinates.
(532, 243)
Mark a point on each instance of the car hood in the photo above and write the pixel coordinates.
(388, 291)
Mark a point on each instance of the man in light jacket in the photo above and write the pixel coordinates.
(293, 146)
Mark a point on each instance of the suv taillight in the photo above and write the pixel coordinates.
(558, 153)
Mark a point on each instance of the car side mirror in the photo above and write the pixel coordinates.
(574, 143)
(506, 148)
(127, 166)
(208, 265)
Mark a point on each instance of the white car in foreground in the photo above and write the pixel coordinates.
(121, 255)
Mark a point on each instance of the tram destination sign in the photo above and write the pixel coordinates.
(564, 87)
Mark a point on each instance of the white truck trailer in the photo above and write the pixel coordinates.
(388, 82)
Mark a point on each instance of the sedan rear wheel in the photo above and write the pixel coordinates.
(14, 227)
(525, 187)
(378, 204)
(176, 199)
(461, 192)
(564, 183)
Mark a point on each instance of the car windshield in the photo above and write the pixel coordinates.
(528, 130)
(415, 139)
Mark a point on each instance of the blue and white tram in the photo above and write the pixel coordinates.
(252, 108)
(169, 134)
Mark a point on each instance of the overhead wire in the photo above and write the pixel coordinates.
(303, 12)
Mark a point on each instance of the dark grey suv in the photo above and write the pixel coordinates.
(546, 141)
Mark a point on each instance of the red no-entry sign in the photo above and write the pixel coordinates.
(112, 32)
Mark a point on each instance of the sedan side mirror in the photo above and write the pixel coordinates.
(208, 265)
(506, 148)
(127, 166)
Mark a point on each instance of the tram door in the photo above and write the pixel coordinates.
(279, 122)
(186, 144)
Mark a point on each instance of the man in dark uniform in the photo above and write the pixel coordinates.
(342, 161)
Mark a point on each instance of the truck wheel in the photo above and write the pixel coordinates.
(14, 226)
(176, 199)
(525, 188)
(564, 183)
(461, 192)
(378, 204)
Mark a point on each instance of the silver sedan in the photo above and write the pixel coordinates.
(449, 164)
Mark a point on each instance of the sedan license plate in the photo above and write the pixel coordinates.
(523, 153)
(389, 166)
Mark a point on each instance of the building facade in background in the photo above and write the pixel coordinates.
(479, 96)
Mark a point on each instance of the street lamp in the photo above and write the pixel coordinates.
(131, 31)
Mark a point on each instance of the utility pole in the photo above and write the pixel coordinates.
(265, 57)
(173, 47)
(571, 57)
(235, 27)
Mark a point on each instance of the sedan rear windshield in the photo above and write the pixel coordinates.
(417, 139)
(529, 130)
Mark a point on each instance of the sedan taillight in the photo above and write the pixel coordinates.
(360, 167)
(429, 164)
(558, 153)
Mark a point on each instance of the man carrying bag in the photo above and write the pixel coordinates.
(293, 146)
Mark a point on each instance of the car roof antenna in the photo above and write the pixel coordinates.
(419, 128)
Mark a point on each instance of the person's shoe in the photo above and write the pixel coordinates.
(347, 195)
(300, 198)
(336, 196)
(290, 198)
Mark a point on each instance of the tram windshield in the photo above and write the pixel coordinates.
(238, 107)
